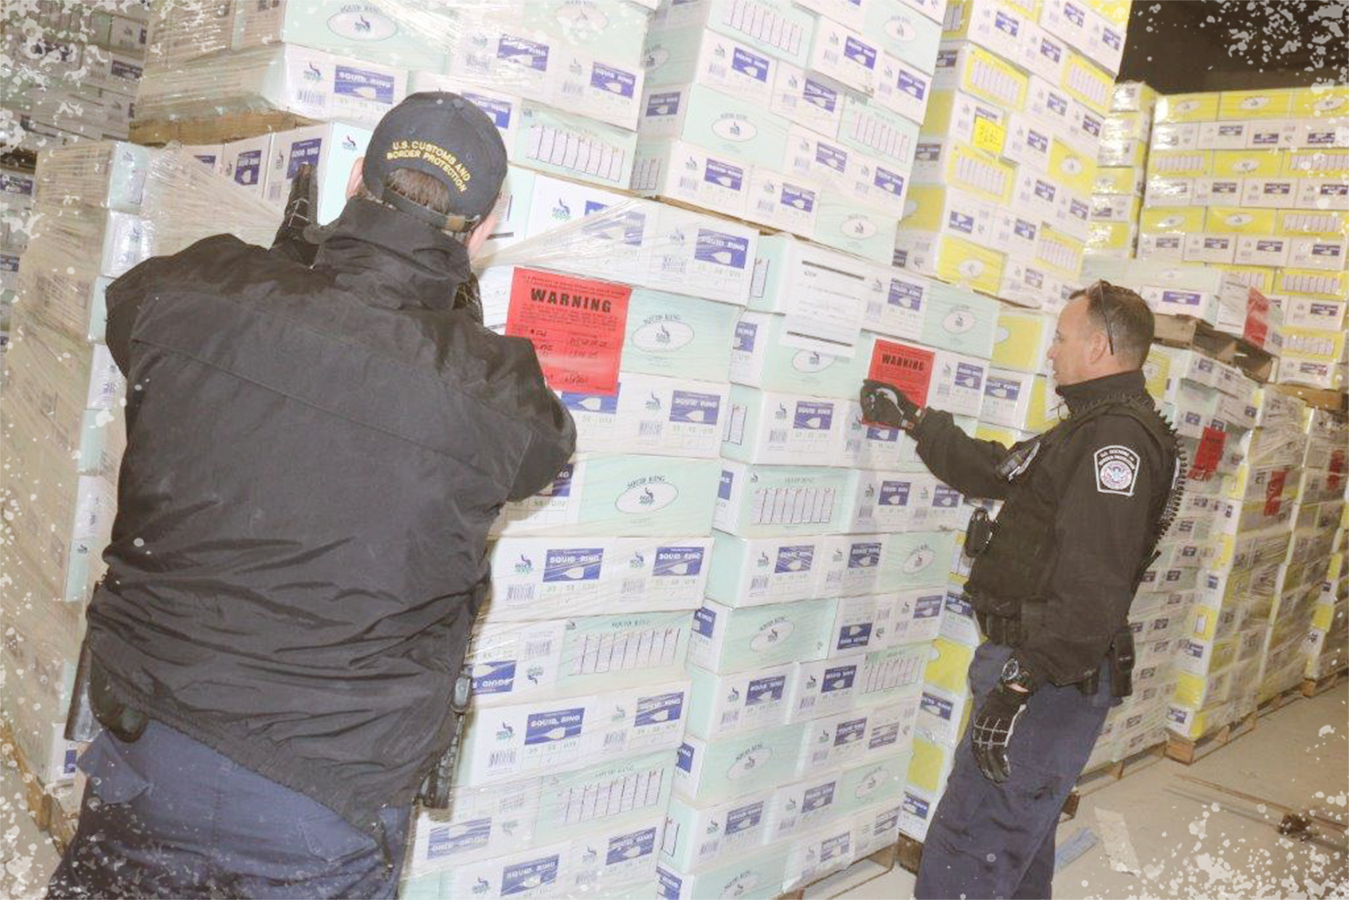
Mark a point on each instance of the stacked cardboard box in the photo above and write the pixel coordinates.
(1117, 193)
(1328, 640)
(1007, 156)
(76, 67)
(798, 118)
(16, 203)
(1317, 502)
(1253, 183)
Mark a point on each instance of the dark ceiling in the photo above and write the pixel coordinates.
(1179, 46)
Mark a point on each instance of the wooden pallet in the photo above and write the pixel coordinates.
(46, 810)
(884, 857)
(1313, 687)
(1279, 701)
(214, 129)
(909, 853)
(1319, 398)
(1104, 776)
(1195, 334)
(1189, 752)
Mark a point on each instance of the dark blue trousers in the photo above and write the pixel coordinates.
(991, 840)
(168, 816)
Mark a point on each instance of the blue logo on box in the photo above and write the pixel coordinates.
(959, 606)
(894, 493)
(750, 64)
(561, 486)
(553, 726)
(969, 376)
(352, 82)
(798, 198)
(915, 806)
(612, 81)
(928, 607)
(831, 157)
(684, 562)
(1044, 190)
(724, 486)
(890, 182)
(704, 622)
(1038, 141)
(523, 53)
(945, 497)
(721, 249)
(1006, 23)
(447, 841)
(912, 85)
(658, 105)
(670, 885)
(1058, 104)
(883, 736)
(1004, 388)
(660, 708)
(818, 797)
(605, 404)
(905, 294)
(864, 555)
(1075, 15)
(838, 678)
(936, 706)
(744, 818)
(573, 565)
(248, 167)
(745, 332)
(765, 690)
(724, 175)
(849, 732)
(794, 559)
(684, 759)
(527, 876)
(851, 636)
(813, 415)
(699, 409)
(959, 221)
(498, 110)
(821, 95)
(860, 53)
(631, 846)
(499, 678)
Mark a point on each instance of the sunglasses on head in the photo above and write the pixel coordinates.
(1097, 302)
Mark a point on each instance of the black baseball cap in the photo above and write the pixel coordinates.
(445, 136)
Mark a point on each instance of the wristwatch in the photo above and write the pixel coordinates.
(1014, 674)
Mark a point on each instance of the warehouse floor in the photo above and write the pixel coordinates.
(1189, 841)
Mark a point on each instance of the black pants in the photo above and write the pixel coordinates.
(168, 816)
(991, 840)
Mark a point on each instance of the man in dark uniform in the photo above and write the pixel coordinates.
(318, 439)
(1083, 507)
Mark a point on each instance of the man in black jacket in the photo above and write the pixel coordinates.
(314, 456)
(1052, 580)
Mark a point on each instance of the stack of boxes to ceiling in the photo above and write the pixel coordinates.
(75, 68)
(799, 118)
(1117, 193)
(16, 204)
(100, 208)
(1317, 501)
(1006, 162)
(1253, 182)
(1328, 640)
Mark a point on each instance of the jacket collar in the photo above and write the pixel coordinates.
(391, 259)
(1087, 393)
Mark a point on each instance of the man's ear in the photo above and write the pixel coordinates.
(354, 180)
(479, 235)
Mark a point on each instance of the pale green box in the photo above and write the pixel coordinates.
(918, 559)
(879, 132)
(768, 501)
(710, 771)
(960, 320)
(678, 336)
(739, 702)
(624, 792)
(680, 56)
(776, 27)
(752, 572)
(871, 783)
(632, 496)
(757, 875)
(904, 32)
(698, 836)
(846, 225)
(370, 29)
(553, 141)
(738, 640)
(719, 123)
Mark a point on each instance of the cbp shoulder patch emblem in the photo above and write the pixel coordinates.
(1116, 470)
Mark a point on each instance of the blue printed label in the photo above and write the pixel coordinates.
(864, 555)
(751, 64)
(745, 333)
(524, 53)
(744, 818)
(721, 249)
(890, 182)
(1280, 188)
(928, 607)
(860, 53)
(1024, 230)
(928, 152)
(573, 565)
(912, 85)
(659, 709)
(835, 846)
(1216, 243)
(894, 493)
(1168, 242)
(683, 562)
(1058, 104)
(1051, 51)
(794, 559)
(915, 806)
(798, 198)
(364, 85)
(724, 175)
(684, 758)
(668, 884)
(883, 736)
(666, 104)
(704, 622)
(813, 415)
(247, 167)
(561, 486)
(724, 486)
(969, 376)
(1231, 130)
(817, 797)
(605, 404)
(498, 679)
(554, 725)
(765, 690)
(958, 605)
(611, 81)
(936, 706)
(499, 111)
(1079, 209)
(1185, 298)
(959, 221)
(1045, 191)
(1038, 141)
(1006, 23)
(1075, 15)
(945, 497)
(851, 637)
(463, 837)
(820, 95)
(905, 294)
(1269, 246)
(838, 678)
(694, 408)
(631, 846)
(849, 732)
(831, 157)
(527, 876)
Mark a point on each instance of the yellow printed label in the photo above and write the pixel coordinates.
(1248, 163)
(981, 173)
(1172, 219)
(1087, 83)
(964, 263)
(1240, 220)
(1072, 169)
(1255, 104)
(989, 136)
(988, 76)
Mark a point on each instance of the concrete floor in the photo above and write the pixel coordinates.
(1190, 842)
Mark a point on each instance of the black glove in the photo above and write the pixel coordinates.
(991, 730)
(301, 209)
(887, 405)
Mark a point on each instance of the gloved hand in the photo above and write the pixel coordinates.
(301, 208)
(887, 405)
(991, 730)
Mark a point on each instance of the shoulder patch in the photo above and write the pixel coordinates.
(1116, 470)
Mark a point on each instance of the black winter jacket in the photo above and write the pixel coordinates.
(314, 457)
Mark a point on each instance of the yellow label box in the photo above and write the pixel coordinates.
(1023, 339)
(1087, 83)
(1240, 220)
(1073, 170)
(1259, 277)
(1117, 180)
(949, 667)
(1248, 163)
(1180, 163)
(978, 172)
(1330, 100)
(1274, 104)
(959, 261)
(1116, 240)
(1311, 223)
(1060, 252)
(1316, 163)
(1187, 108)
(982, 73)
